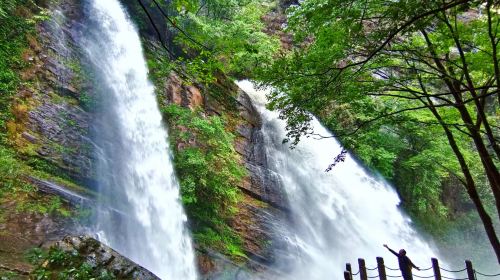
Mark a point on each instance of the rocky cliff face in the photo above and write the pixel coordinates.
(49, 131)
(263, 205)
(20, 232)
(95, 257)
(52, 129)
(51, 125)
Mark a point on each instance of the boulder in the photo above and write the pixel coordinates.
(85, 249)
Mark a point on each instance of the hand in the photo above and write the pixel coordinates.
(418, 268)
(385, 245)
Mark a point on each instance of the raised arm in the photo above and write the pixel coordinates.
(392, 251)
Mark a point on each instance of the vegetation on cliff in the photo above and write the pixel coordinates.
(83, 258)
(410, 86)
(14, 31)
(206, 38)
(58, 264)
(18, 19)
(209, 42)
(209, 171)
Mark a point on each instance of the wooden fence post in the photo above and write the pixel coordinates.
(436, 269)
(470, 270)
(381, 268)
(348, 268)
(362, 269)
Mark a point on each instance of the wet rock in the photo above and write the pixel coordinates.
(263, 204)
(173, 89)
(72, 197)
(63, 130)
(29, 137)
(102, 257)
(180, 93)
(263, 211)
(195, 98)
(68, 89)
(43, 151)
(262, 183)
(21, 232)
(57, 126)
(274, 25)
(248, 111)
(214, 266)
(245, 131)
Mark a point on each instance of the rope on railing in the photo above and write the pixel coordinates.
(425, 269)
(453, 271)
(471, 272)
(451, 278)
(391, 268)
(418, 276)
(486, 275)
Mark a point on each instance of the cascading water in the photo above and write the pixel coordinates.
(339, 216)
(135, 172)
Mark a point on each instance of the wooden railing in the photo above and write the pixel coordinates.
(438, 273)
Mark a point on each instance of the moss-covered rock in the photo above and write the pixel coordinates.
(83, 257)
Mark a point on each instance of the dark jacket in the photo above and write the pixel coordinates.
(405, 265)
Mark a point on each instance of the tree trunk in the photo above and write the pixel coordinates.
(486, 160)
(488, 165)
(494, 43)
(470, 185)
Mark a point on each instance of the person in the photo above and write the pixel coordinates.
(405, 264)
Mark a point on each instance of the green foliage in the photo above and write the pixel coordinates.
(9, 275)
(6, 7)
(87, 101)
(209, 171)
(232, 30)
(14, 188)
(18, 19)
(58, 264)
(45, 167)
(159, 66)
(12, 43)
(10, 176)
(9, 169)
(53, 205)
(372, 96)
(214, 37)
(224, 240)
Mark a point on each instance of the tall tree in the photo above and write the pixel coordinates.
(210, 37)
(366, 66)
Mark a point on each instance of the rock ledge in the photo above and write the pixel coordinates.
(101, 257)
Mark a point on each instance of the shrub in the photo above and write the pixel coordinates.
(209, 171)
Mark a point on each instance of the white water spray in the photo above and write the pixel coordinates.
(135, 171)
(338, 216)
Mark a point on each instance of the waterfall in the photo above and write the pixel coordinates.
(339, 216)
(135, 172)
